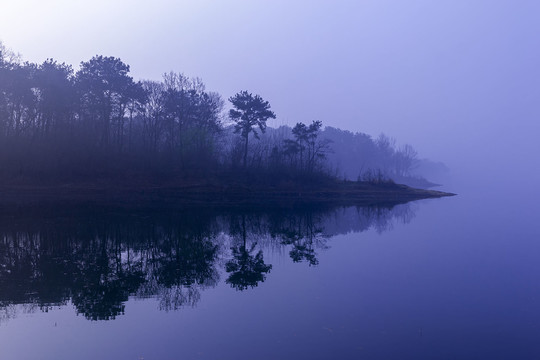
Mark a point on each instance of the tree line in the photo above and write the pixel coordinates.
(55, 121)
(97, 121)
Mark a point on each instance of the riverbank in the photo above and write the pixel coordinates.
(211, 194)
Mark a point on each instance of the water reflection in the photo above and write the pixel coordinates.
(246, 268)
(97, 260)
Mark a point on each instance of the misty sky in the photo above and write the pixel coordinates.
(459, 80)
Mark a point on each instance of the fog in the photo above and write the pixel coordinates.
(130, 186)
(457, 80)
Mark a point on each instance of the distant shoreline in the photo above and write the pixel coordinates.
(170, 196)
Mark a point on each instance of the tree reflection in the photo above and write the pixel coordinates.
(97, 261)
(304, 233)
(246, 269)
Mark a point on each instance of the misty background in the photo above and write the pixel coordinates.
(455, 277)
(457, 80)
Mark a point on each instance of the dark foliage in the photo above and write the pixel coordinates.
(98, 124)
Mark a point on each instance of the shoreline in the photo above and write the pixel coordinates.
(178, 196)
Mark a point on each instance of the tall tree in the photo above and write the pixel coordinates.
(18, 101)
(54, 87)
(249, 112)
(405, 160)
(306, 144)
(106, 89)
(192, 119)
(153, 114)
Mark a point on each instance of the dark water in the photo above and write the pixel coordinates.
(452, 278)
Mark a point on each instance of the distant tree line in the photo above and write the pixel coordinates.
(359, 156)
(342, 153)
(98, 122)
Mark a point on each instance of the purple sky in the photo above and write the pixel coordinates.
(459, 80)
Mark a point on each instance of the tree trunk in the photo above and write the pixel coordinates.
(246, 151)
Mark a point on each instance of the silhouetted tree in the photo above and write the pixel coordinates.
(99, 123)
(106, 89)
(306, 149)
(54, 87)
(249, 112)
(405, 159)
(8, 57)
(194, 118)
(153, 114)
(18, 103)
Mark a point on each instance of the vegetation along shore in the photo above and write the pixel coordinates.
(97, 135)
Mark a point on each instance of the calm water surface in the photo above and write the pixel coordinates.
(452, 278)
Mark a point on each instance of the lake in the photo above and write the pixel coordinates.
(450, 278)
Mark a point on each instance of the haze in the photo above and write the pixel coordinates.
(458, 80)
